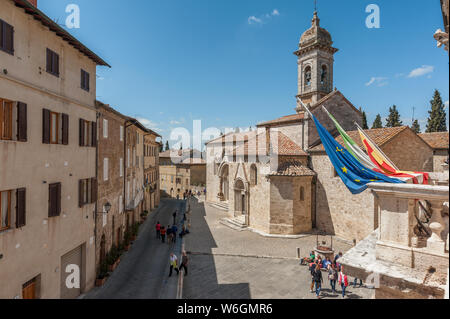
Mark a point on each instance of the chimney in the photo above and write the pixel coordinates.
(33, 2)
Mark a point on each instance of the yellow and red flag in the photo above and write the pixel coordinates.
(386, 166)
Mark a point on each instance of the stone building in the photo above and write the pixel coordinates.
(181, 171)
(48, 151)
(134, 176)
(110, 220)
(151, 170)
(279, 180)
(439, 143)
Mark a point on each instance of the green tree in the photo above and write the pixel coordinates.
(161, 147)
(393, 119)
(167, 146)
(437, 118)
(416, 127)
(364, 122)
(377, 123)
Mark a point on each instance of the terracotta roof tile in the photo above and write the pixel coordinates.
(285, 119)
(437, 140)
(281, 144)
(292, 168)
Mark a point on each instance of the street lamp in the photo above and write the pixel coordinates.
(107, 207)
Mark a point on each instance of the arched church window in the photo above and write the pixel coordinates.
(302, 193)
(308, 75)
(253, 175)
(324, 74)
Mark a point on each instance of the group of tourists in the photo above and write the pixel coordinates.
(172, 232)
(334, 270)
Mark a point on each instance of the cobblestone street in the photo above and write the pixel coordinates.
(229, 264)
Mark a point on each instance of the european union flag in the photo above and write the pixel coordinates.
(354, 175)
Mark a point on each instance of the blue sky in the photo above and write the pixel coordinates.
(230, 63)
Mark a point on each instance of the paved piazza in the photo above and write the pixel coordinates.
(230, 264)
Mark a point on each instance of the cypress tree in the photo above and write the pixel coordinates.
(377, 123)
(393, 119)
(437, 118)
(167, 146)
(416, 127)
(364, 122)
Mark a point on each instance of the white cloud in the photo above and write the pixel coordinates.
(148, 124)
(254, 20)
(446, 104)
(263, 18)
(424, 69)
(379, 81)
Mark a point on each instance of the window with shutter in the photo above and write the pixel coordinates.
(5, 210)
(105, 128)
(121, 133)
(121, 167)
(105, 169)
(54, 128)
(45, 126)
(52, 63)
(84, 80)
(6, 116)
(94, 190)
(20, 207)
(6, 37)
(22, 122)
(65, 129)
(94, 134)
(54, 208)
(81, 130)
(81, 193)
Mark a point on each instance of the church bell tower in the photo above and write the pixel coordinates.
(315, 63)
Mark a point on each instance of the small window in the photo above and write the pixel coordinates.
(105, 128)
(84, 80)
(121, 133)
(54, 128)
(5, 210)
(308, 76)
(121, 167)
(253, 175)
(323, 75)
(52, 63)
(87, 191)
(6, 37)
(6, 120)
(302, 193)
(105, 169)
(54, 201)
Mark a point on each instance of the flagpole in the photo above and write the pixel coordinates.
(305, 107)
(376, 146)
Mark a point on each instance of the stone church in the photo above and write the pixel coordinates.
(277, 180)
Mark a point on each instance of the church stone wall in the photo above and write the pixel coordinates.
(260, 201)
(417, 156)
(338, 212)
(439, 158)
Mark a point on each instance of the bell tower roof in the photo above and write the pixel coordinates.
(315, 36)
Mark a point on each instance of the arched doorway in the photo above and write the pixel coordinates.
(224, 183)
(240, 200)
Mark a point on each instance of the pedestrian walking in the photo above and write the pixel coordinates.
(173, 264)
(312, 267)
(343, 281)
(174, 233)
(163, 234)
(317, 277)
(174, 217)
(332, 276)
(158, 230)
(184, 263)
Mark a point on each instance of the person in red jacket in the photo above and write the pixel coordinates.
(163, 234)
(343, 281)
(158, 230)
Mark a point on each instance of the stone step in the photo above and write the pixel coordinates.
(221, 206)
(234, 223)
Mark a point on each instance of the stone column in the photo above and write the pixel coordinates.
(435, 242)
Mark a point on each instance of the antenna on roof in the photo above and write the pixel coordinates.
(315, 5)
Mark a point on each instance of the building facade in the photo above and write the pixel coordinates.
(181, 171)
(110, 219)
(151, 170)
(48, 149)
(439, 142)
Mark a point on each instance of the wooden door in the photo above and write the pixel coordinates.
(29, 290)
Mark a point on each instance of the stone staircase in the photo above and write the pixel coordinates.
(236, 223)
(222, 206)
